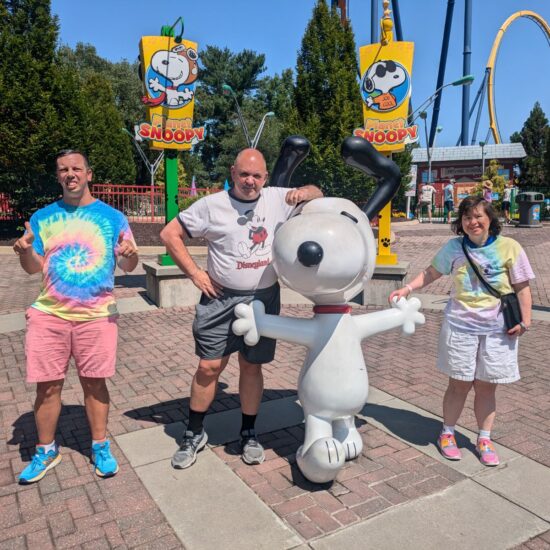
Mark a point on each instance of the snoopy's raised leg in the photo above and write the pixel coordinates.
(321, 456)
(344, 430)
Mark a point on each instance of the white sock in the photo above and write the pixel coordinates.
(484, 434)
(448, 429)
(49, 447)
(94, 441)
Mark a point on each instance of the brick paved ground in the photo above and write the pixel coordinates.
(156, 363)
(387, 473)
(71, 507)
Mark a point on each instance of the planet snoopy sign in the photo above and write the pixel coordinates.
(170, 69)
(386, 75)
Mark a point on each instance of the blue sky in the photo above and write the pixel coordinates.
(276, 27)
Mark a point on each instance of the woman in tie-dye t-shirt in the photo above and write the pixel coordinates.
(475, 349)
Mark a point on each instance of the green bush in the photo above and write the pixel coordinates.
(185, 202)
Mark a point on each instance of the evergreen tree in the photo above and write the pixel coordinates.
(328, 104)
(534, 138)
(127, 90)
(29, 122)
(108, 148)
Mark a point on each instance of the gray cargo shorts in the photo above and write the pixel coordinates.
(213, 319)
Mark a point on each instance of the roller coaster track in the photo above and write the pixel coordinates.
(490, 69)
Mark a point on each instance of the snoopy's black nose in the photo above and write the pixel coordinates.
(310, 253)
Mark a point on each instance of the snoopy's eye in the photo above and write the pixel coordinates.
(164, 62)
(348, 215)
(192, 54)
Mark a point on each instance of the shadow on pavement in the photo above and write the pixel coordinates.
(72, 432)
(130, 281)
(412, 427)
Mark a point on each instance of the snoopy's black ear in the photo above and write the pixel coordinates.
(294, 150)
(359, 153)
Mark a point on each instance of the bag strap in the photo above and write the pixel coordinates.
(493, 291)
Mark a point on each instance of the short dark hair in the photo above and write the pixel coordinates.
(471, 202)
(65, 152)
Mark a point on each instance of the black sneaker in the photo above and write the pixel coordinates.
(252, 451)
(186, 455)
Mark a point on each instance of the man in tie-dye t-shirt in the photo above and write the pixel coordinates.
(75, 243)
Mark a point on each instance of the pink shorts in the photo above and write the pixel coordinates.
(51, 341)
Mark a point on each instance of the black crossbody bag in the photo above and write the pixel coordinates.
(509, 302)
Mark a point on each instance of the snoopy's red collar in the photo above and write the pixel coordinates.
(332, 309)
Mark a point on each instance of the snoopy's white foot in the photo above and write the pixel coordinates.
(322, 461)
(344, 430)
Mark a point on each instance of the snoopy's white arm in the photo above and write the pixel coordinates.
(253, 322)
(402, 313)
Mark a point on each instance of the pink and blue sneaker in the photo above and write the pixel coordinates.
(41, 462)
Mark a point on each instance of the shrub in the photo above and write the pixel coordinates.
(185, 202)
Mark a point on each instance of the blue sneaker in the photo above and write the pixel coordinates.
(105, 463)
(41, 462)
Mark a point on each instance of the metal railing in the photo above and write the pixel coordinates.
(141, 203)
(7, 213)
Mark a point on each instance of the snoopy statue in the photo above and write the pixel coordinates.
(327, 253)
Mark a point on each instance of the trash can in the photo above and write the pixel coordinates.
(529, 203)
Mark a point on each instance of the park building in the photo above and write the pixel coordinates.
(464, 164)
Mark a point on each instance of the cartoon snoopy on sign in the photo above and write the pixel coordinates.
(327, 253)
(383, 76)
(178, 66)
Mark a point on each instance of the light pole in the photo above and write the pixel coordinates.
(430, 157)
(260, 129)
(482, 145)
(424, 115)
(464, 81)
(228, 90)
(152, 167)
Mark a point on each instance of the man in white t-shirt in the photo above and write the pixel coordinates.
(426, 198)
(238, 226)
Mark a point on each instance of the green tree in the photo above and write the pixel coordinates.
(328, 104)
(274, 95)
(29, 122)
(108, 148)
(216, 111)
(534, 138)
(491, 173)
(127, 90)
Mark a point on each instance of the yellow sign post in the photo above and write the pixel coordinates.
(386, 70)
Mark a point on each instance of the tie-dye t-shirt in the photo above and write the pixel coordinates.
(78, 245)
(471, 308)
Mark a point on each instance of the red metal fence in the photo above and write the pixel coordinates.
(6, 211)
(140, 203)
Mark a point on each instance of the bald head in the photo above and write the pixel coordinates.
(251, 155)
(249, 174)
